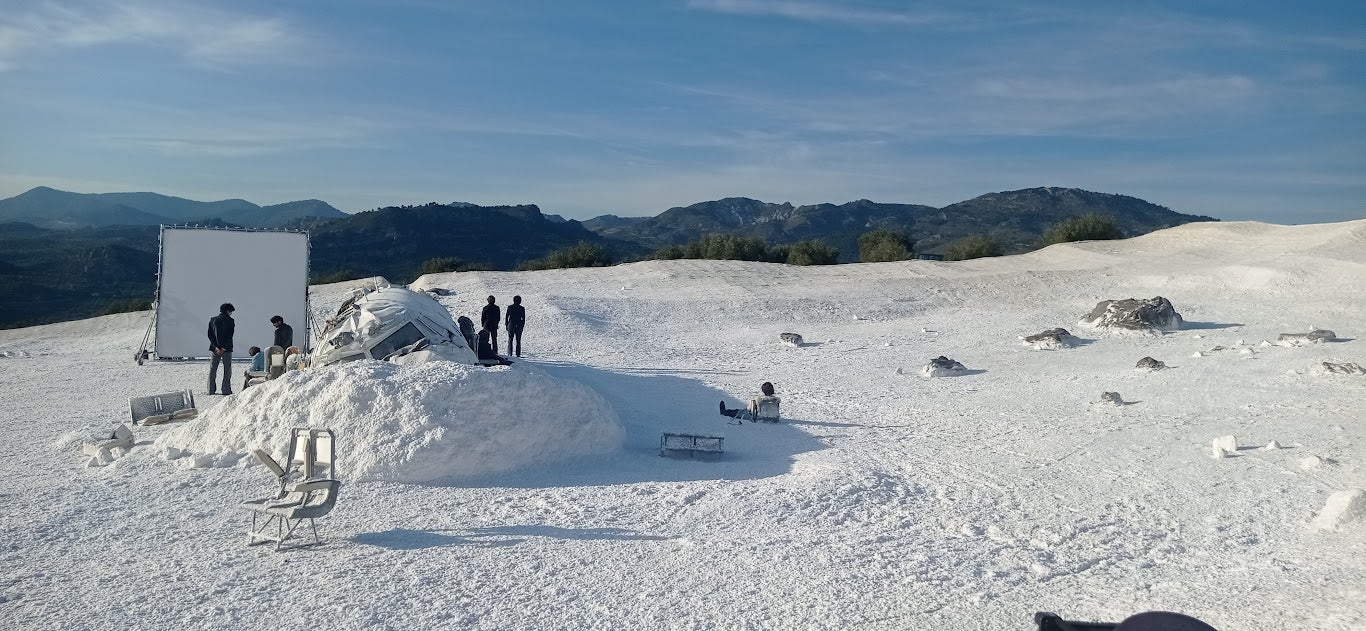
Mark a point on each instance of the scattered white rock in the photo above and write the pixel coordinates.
(1197, 354)
(1148, 315)
(1265, 343)
(1228, 443)
(1246, 351)
(1052, 339)
(1344, 368)
(1342, 509)
(942, 366)
(1220, 453)
(1111, 398)
(1272, 446)
(1303, 339)
(1311, 463)
(104, 448)
(1149, 364)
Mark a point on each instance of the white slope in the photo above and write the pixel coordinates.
(883, 501)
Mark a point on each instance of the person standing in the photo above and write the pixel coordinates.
(516, 319)
(284, 334)
(221, 328)
(489, 320)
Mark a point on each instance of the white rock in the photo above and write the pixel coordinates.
(1342, 509)
(1272, 446)
(1219, 452)
(1310, 463)
(1228, 443)
(1197, 354)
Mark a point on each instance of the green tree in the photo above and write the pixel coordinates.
(442, 264)
(126, 305)
(334, 277)
(812, 252)
(581, 254)
(883, 245)
(1088, 227)
(723, 247)
(973, 246)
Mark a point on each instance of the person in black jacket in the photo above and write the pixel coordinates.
(487, 355)
(221, 328)
(516, 319)
(489, 319)
(284, 334)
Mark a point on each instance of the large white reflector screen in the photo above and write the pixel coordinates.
(262, 273)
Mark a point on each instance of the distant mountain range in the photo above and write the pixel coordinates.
(70, 255)
(50, 208)
(1016, 219)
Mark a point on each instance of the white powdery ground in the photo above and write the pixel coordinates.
(884, 500)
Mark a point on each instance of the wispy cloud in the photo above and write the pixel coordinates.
(202, 35)
(824, 12)
(228, 132)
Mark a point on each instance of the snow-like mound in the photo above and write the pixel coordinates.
(409, 423)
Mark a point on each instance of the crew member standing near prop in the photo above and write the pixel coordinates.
(221, 328)
(489, 319)
(516, 319)
(284, 334)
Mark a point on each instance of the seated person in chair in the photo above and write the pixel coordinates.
(258, 366)
(486, 354)
(752, 410)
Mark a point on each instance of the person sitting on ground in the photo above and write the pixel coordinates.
(486, 354)
(753, 407)
(258, 365)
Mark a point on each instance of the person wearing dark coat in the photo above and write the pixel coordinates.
(489, 319)
(221, 328)
(284, 334)
(487, 355)
(466, 330)
(516, 319)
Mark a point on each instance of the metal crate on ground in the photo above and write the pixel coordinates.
(671, 443)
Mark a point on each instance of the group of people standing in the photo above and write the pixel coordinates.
(485, 343)
(221, 330)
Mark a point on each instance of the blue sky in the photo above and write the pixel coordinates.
(1239, 110)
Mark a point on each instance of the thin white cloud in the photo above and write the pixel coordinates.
(824, 12)
(202, 35)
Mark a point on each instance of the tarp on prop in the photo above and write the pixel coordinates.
(383, 322)
(261, 272)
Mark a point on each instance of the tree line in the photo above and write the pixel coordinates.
(875, 246)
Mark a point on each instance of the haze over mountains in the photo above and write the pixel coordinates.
(70, 255)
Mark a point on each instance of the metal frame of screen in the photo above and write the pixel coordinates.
(261, 272)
